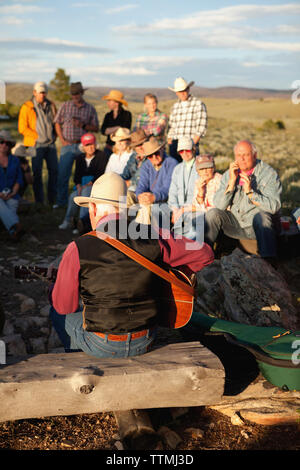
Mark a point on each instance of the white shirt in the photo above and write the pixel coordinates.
(117, 162)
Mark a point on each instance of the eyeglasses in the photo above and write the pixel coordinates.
(4, 142)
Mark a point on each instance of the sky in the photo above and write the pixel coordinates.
(148, 43)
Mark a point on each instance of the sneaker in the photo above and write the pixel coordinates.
(75, 231)
(64, 225)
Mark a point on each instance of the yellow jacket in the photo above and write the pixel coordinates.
(27, 123)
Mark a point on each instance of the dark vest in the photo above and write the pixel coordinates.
(119, 294)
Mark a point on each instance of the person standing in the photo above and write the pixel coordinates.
(152, 121)
(75, 118)
(188, 117)
(115, 118)
(36, 124)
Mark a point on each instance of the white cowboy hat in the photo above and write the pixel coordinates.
(109, 188)
(180, 85)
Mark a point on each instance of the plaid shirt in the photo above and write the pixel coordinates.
(86, 113)
(188, 118)
(152, 126)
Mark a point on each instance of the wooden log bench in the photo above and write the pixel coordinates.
(175, 375)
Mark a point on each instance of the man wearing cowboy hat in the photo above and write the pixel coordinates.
(155, 177)
(74, 118)
(119, 317)
(36, 124)
(131, 173)
(188, 117)
(115, 118)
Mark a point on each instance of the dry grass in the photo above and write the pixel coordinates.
(236, 119)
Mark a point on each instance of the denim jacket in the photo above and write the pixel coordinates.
(266, 187)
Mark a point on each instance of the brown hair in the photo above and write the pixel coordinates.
(150, 96)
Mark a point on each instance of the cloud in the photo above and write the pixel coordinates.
(210, 18)
(51, 44)
(121, 8)
(20, 9)
(13, 20)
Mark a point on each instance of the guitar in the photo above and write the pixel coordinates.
(176, 304)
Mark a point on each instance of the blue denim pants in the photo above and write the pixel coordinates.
(49, 154)
(72, 209)
(74, 338)
(263, 230)
(68, 154)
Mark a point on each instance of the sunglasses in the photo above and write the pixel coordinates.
(153, 155)
(5, 142)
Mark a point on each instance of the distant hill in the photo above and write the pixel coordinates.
(17, 93)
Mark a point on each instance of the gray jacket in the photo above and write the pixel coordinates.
(267, 189)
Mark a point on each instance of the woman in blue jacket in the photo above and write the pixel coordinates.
(10, 182)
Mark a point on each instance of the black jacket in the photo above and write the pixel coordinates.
(123, 119)
(95, 169)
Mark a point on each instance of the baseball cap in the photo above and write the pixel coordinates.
(185, 143)
(40, 87)
(88, 139)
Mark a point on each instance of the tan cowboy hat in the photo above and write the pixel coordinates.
(110, 188)
(121, 134)
(137, 138)
(151, 146)
(180, 85)
(116, 95)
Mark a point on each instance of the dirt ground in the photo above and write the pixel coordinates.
(199, 429)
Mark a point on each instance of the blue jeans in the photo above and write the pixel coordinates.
(8, 212)
(49, 154)
(262, 230)
(72, 208)
(68, 154)
(74, 338)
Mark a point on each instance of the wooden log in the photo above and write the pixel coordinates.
(136, 430)
(176, 375)
(261, 403)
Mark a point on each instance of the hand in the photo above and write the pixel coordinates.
(79, 189)
(146, 198)
(247, 182)
(233, 174)
(64, 142)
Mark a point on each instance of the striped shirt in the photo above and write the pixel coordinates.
(86, 113)
(188, 118)
(152, 126)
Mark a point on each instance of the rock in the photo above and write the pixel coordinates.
(15, 346)
(27, 322)
(196, 433)
(236, 420)
(44, 311)
(27, 305)
(38, 345)
(170, 437)
(246, 289)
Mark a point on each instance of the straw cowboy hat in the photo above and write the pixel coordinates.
(151, 146)
(121, 134)
(180, 85)
(137, 138)
(115, 95)
(110, 188)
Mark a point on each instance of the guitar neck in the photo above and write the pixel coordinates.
(34, 272)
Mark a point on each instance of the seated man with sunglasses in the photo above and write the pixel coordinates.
(155, 178)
